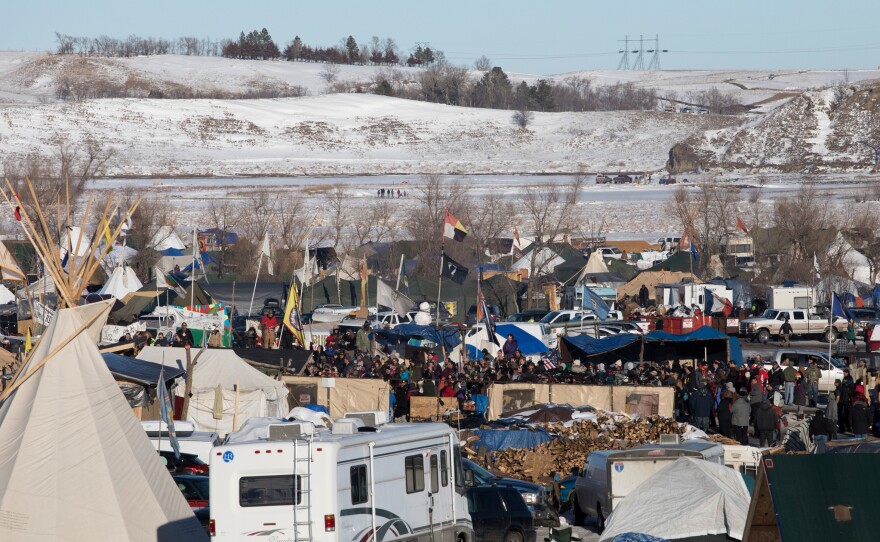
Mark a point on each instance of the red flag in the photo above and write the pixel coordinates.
(741, 225)
(453, 228)
(17, 213)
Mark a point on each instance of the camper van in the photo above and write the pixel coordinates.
(790, 297)
(360, 478)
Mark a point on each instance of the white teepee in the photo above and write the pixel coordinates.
(75, 463)
(9, 269)
(122, 281)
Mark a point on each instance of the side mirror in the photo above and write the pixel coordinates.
(468, 478)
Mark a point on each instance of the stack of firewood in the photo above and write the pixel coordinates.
(569, 450)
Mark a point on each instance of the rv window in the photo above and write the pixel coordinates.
(415, 473)
(459, 470)
(358, 484)
(444, 468)
(435, 474)
(281, 490)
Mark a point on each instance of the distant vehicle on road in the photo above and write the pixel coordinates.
(603, 179)
(668, 180)
(621, 179)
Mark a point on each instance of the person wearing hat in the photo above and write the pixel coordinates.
(739, 418)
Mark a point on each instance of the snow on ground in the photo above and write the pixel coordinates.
(345, 134)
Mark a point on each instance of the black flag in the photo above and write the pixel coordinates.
(453, 270)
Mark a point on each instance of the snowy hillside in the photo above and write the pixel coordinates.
(345, 134)
(816, 132)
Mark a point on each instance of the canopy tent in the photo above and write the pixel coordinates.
(702, 343)
(259, 395)
(75, 464)
(585, 348)
(686, 499)
(9, 268)
(122, 281)
(448, 338)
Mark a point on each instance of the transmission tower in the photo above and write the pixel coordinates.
(655, 56)
(640, 59)
(624, 60)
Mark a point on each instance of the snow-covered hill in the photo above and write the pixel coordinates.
(818, 131)
(345, 134)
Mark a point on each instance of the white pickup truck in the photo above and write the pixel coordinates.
(803, 324)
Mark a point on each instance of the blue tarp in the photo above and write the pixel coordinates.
(502, 439)
(527, 343)
(172, 252)
(594, 347)
(138, 371)
(704, 333)
(736, 351)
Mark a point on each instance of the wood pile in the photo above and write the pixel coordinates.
(721, 439)
(569, 450)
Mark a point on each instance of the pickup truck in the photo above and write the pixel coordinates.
(803, 324)
(621, 179)
(832, 368)
(603, 179)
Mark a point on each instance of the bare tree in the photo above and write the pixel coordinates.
(338, 216)
(488, 218)
(329, 73)
(297, 224)
(548, 210)
(257, 220)
(707, 215)
(483, 64)
(225, 216)
(433, 196)
(522, 117)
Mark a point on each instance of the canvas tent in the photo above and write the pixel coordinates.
(165, 238)
(74, 462)
(259, 395)
(122, 281)
(650, 280)
(686, 499)
(9, 268)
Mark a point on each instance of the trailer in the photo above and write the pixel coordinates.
(790, 297)
(362, 480)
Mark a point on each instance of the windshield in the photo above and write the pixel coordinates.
(771, 314)
(550, 317)
(838, 363)
(480, 474)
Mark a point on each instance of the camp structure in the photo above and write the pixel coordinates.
(122, 281)
(74, 462)
(814, 497)
(221, 381)
(9, 268)
(689, 499)
(650, 279)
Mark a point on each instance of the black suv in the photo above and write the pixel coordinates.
(500, 514)
(535, 496)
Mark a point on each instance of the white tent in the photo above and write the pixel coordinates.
(6, 295)
(595, 264)
(75, 464)
(9, 269)
(122, 282)
(75, 241)
(165, 238)
(687, 498)
(42, 287)
(117, 255)
(259, 395)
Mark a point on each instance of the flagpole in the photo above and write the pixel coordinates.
(399, 272)
(192, 290)
(439, 284)
(256, 279)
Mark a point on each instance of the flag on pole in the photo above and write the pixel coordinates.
(838, 309)
(28, 343)
(595, 303)
(694, 253)
(364, 277)
(453, 270)
(166, 412)
(721, 304)
(391, 298)
(107, 233)
(741, 225)
(453, 229)
(266, 250)
(292, 319)
(483, 313)
(816, 267)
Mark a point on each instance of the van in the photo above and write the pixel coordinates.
(189, 440)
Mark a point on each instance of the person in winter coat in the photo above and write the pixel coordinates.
(725, 415)
(362, 340)
(860, 418)
(701, 406)
(844, 401)
(812, 376)
(739, 418)
(756, 395)
(851, 332)
(775, 379)
(788, 375)
(510, 347)
(800, 390)
(831, 411)
(766, 422)
(820, 428)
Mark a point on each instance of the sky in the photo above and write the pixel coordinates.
(540, 37)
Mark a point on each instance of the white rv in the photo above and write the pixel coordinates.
(355, 482)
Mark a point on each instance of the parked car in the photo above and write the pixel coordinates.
(621, 179)
(831, 368)
(471, 317)
(610, 252)
(534, 495)
(499, 514)
(668, 180)
(531, 315)
(186, 464)
(195, 489)
(603, 179)
(864, 317)
(384, 320)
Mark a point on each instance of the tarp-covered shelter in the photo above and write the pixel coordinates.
(625, 346)
(502, 439)
(815, 498)
(75, 464)
(446, 337)
(701, 343)
(137, 378)
(259, 395)
(143, 301)
(650, 280)
(688, 499)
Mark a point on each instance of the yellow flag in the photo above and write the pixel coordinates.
(28, 342)
(292, 320)
(107, 233)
